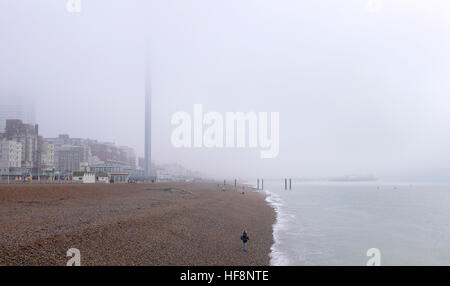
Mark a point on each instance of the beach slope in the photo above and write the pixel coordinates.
(133, 224)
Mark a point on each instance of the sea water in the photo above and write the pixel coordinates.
(336, 223)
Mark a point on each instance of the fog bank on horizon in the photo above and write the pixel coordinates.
(362, 87)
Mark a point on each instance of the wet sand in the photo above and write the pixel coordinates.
(133, 224)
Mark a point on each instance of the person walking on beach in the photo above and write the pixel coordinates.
(244, 238)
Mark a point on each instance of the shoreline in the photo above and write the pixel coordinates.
(274, 200)
(182, 224)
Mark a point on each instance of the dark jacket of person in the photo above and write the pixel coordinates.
(244, 237)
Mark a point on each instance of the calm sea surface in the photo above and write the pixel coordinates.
(336, 223)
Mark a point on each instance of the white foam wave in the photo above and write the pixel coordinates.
(277, 257)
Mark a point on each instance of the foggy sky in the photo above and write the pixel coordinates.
(359, 90)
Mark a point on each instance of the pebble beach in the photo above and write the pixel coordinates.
(186, 224)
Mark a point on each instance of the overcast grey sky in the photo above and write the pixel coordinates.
(361, 89)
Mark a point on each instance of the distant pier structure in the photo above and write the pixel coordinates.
(262, 184)
(286, 184)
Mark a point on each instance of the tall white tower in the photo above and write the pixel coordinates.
(148, 124)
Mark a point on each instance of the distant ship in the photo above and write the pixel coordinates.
(368, 178)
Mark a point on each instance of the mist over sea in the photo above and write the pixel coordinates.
(335, 223)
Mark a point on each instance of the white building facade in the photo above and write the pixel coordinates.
(10, 155)
(47, 156)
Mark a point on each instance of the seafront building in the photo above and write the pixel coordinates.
(175, 172)
(70, 154)
(27, 156)
(46, 156)
(69, 158)
(129, 155)
(27, 135)
(10, 156)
